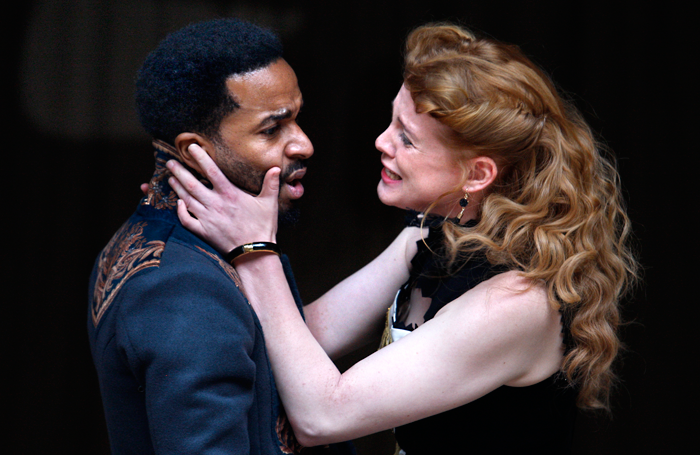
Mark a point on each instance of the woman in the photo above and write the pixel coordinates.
(507, 309)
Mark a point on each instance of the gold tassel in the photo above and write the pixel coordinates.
(386, 340)
(386, 336)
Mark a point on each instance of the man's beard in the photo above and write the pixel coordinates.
(288, 217)
(250, 179)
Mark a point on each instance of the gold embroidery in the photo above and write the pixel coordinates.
(228, 268)
(160, 195)
(285, 434)
(127, 253)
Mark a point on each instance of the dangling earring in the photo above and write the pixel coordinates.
(464, 202)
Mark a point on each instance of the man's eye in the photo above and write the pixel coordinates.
(271, 131)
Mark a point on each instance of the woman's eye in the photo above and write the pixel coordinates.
(405, 140)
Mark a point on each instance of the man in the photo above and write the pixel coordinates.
(179, 352)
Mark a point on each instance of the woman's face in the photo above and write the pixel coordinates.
(418, 168)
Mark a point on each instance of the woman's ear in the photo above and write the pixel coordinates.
(482, 172)
(182, 143)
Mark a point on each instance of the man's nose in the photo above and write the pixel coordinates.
(300, 147)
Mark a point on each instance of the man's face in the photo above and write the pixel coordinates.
(263, 132)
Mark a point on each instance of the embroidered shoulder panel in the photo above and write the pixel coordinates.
(126, 254)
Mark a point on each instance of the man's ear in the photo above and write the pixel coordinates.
(482, 172)
(182, 143)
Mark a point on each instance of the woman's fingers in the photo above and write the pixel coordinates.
(188, 186)
(193, 204)
(188, 221)
(209, 168)
(186, 206)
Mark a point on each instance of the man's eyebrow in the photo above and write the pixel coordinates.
(281, 114)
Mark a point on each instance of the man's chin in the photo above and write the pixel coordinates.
(288, 214)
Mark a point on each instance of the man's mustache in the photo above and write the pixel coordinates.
(295, 166)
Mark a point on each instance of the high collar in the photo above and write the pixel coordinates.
(160, 194)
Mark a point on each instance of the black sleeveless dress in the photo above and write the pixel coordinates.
(510, 420)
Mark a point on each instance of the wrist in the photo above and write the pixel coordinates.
(254, 269)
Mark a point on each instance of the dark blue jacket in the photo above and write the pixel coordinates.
(179, 352)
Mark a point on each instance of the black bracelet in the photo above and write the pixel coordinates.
(255, 247)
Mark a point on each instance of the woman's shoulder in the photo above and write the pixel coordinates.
(409, 238)
(513, 315)
(508, 304)
(508, 292)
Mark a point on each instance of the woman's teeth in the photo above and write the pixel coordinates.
(392, 175)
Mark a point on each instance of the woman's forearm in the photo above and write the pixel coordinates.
(353, 312)
(306, 377)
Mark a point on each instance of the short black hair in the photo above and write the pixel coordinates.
(181, 86)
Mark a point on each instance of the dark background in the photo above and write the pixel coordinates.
(77, 157)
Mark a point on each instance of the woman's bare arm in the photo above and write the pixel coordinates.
(353, 312)
(493, 335)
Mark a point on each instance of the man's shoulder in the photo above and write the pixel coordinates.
(149, 255)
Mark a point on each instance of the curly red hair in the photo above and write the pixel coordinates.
(555, 211)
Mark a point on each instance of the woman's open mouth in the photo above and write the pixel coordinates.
(389, 176)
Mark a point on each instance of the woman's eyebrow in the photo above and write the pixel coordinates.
(405, 128)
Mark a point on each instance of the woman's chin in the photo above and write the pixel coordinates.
(385, 197)
(389, 197)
